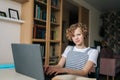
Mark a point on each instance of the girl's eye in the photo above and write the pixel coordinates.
(78, 34)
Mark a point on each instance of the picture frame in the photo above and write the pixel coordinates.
(13, 13)
(3, 14)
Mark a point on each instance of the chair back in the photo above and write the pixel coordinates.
(97, 68)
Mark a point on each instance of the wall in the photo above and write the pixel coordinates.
(94, 21)
(9, 31)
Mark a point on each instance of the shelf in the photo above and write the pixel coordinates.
(38, 40)
(54, 24)
(40, 26)
(55, 8)
(54, 41)
(21, 1)
(11, 20)
(41, 3)
(40, 20)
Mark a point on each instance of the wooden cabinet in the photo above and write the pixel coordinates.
(84, 18)
(47, 28)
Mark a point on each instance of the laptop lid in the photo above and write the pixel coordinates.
(28, 60)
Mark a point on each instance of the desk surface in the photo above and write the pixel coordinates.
(10, 74)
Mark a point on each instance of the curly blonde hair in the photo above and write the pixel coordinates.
(73, 27)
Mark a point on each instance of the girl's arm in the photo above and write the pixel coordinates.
(59, 70)
(82, 72)
(61, 63)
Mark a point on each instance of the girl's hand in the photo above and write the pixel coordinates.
(46, 68)
(60, 71)
(50, 70)
(55, 70)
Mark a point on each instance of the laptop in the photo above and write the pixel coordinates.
(28, 60)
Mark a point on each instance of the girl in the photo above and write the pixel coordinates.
(77, 59)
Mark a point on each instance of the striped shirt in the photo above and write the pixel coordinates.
(92, 54)
(76, 60)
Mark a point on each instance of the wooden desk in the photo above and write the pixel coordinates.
(10, 74)
(71, 77)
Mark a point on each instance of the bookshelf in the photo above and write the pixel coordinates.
(44, 29)
(47, 28)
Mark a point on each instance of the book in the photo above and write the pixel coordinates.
(54, 3)
(53, 18)
(42, 47)
(40, 32)
(38, 12)
(34, 32)
(53, 35)
(35, 11)
(43, 14)
(52, 50)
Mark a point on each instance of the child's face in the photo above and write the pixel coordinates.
(78, 37)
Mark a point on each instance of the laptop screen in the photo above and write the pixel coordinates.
(28, 60)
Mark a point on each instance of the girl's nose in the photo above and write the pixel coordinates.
(76, 37)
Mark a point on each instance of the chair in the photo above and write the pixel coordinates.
(97, 68)
(96, 71)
